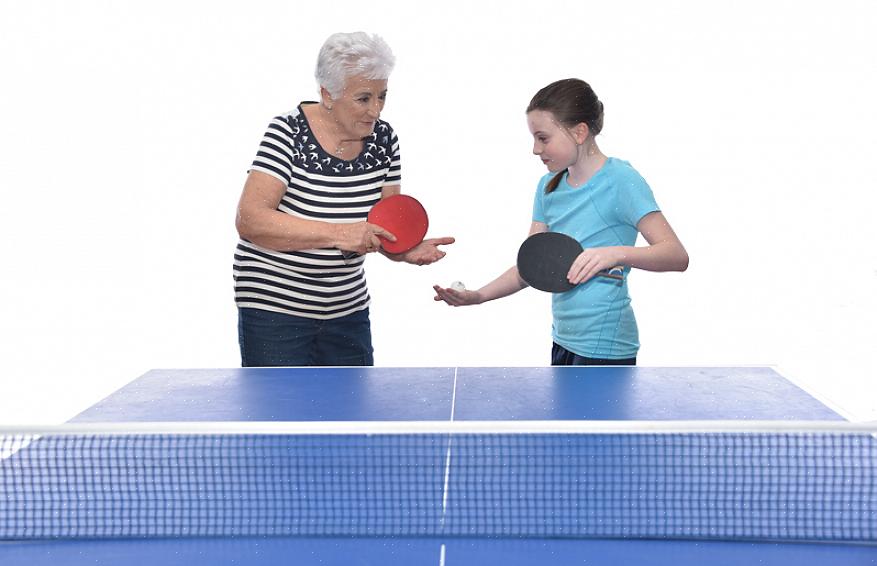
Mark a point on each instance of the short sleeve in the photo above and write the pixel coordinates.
(538, 205)
(635, 198)
(391, 143)
(274, 156)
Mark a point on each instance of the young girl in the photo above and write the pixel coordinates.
(603, 203)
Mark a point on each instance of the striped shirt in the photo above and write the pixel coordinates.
(315, 283)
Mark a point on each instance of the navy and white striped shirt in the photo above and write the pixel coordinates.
(316, 283)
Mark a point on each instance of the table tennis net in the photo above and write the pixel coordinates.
(735, 484)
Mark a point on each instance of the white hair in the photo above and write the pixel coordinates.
(344, 55)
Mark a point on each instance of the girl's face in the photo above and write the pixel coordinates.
(359, 106)
(552, 143)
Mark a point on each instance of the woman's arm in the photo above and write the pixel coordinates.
(424, 253)
(259, 221)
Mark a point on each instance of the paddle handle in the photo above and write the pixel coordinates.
(614, 273)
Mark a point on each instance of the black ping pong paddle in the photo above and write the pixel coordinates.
(544, 260)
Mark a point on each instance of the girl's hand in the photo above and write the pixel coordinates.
(456, 298)
(592, 261)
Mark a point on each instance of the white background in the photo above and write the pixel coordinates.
(126, 129)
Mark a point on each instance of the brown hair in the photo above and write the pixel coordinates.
(571, 102)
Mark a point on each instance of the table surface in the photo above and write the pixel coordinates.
(443, 394)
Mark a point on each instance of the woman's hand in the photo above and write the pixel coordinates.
(594, 260)
(361, 237)
(424, 253)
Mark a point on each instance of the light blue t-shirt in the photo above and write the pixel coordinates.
(595, 319)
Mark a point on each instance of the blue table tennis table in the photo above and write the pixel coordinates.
(443, 394)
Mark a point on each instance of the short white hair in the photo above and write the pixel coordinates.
(345, 55)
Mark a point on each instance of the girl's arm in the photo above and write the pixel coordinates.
(508, 283)
(664, 252)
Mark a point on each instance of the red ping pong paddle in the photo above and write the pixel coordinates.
(404, 217)
(544, 259)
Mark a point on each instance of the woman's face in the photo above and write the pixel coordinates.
(552, 143)
(359, 106)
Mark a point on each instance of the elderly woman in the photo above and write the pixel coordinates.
(299, 282)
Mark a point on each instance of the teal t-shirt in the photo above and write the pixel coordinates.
(595, 319)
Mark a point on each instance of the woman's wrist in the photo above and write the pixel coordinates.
(393, 257)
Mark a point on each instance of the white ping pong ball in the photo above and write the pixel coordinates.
(458, 286)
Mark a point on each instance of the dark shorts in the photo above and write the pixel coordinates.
(275, 339)
(560, 356)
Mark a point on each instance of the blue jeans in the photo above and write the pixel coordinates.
(269, 338)
(560, 356)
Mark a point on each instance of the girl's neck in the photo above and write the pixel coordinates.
(590, 160)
